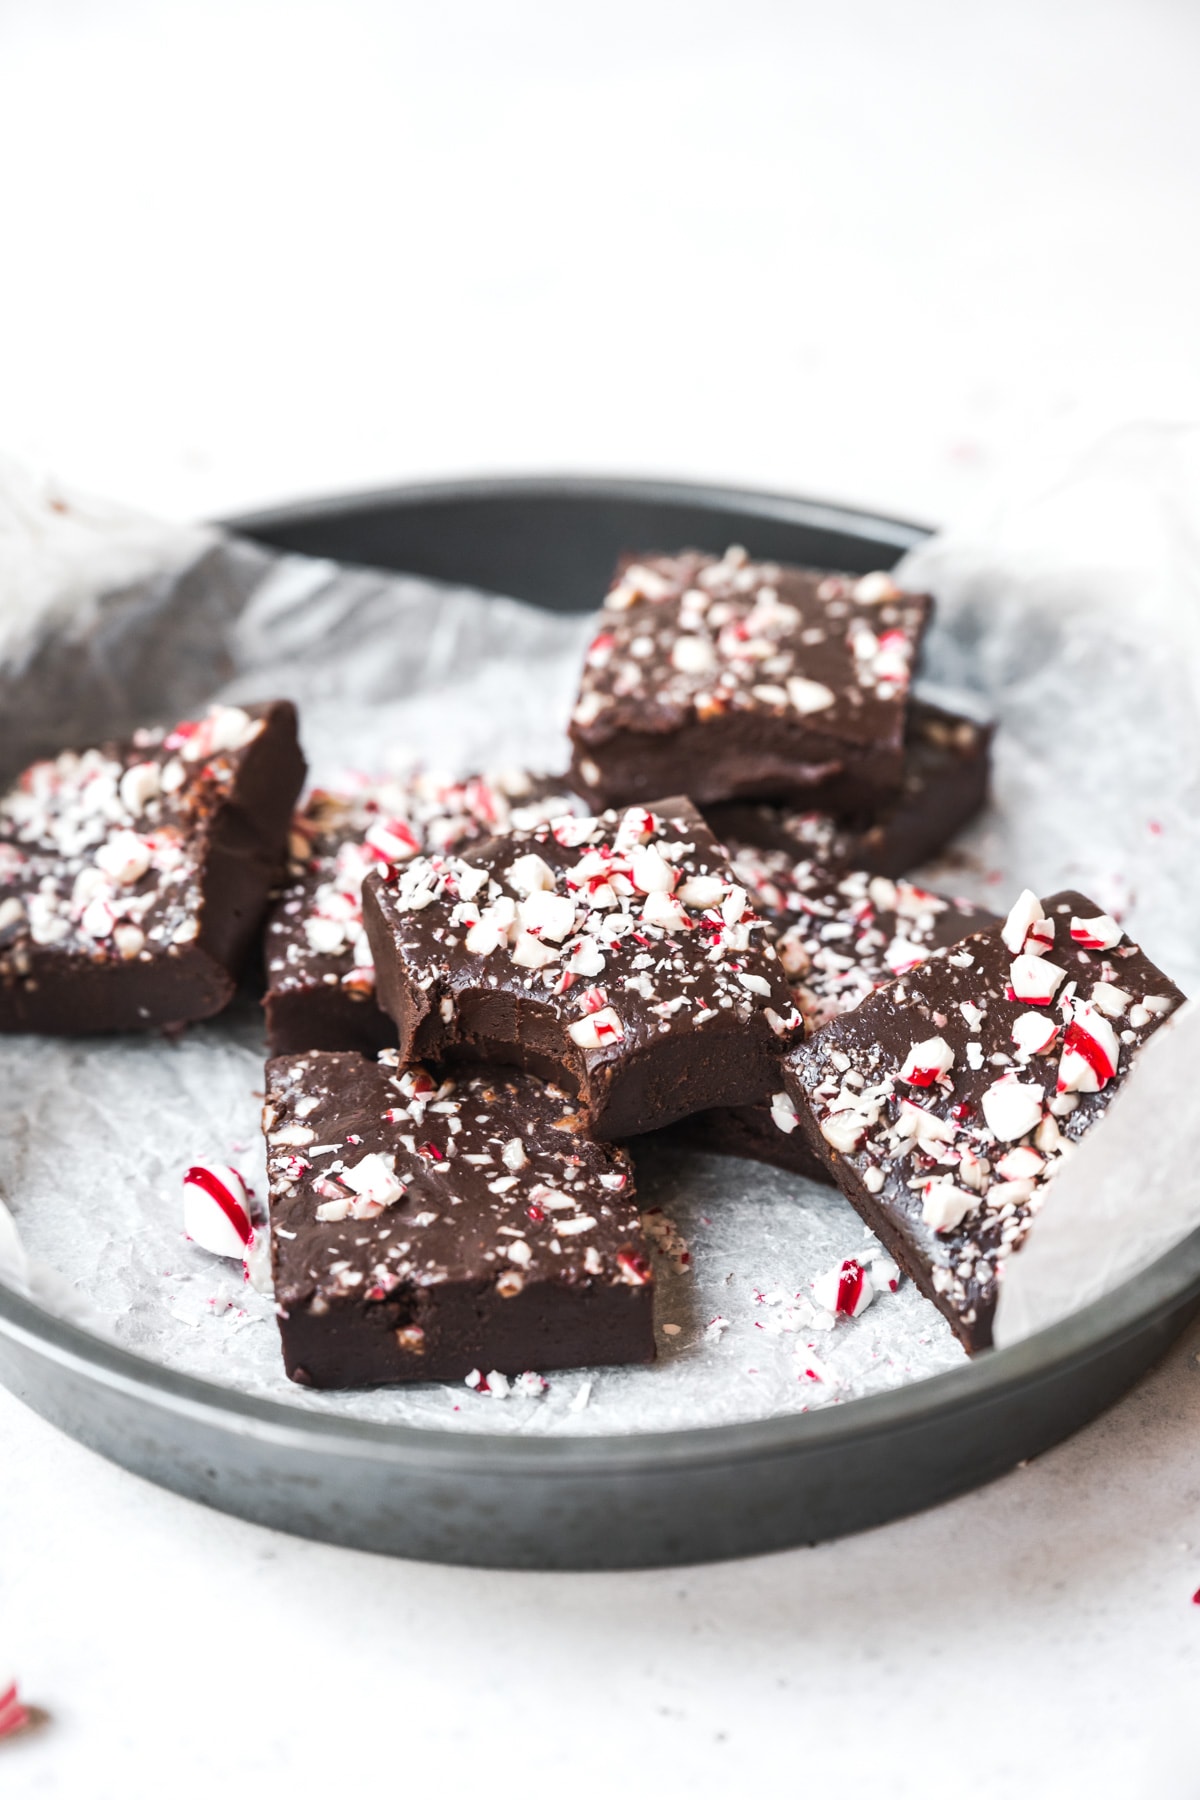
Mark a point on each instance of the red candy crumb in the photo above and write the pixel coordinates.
(13, 1716)
(634, 1269)
(849, 1287)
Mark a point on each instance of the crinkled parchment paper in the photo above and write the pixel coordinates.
(1071, 610)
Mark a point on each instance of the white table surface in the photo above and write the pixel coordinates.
(260, 249)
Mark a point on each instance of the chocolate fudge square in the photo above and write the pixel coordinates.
(134, 876)
(420, 1230)
(617, 955)
(838, 938)
(726, 679)
(945, 1103)
(320, 971)
(947, 764)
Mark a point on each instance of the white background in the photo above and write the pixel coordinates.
(877, 253)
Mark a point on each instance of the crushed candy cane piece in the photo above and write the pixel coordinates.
(844, 1290)
(1035, 979)
(927, 1061)
(1012, 1107)
(14, 1716)
(1100, 933)
(216, 1209)
(1090, 1054)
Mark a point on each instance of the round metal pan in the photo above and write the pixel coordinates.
(602, 1502)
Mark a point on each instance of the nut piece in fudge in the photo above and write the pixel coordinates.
(946, 1102)
(320, 972)
(947, 763)
(726, 679)
(134, 876)
(838, 938)
(420, 1230)
(617, 955)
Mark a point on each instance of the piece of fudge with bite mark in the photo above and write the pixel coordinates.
(423, 1229)
(134, 875)
(947, 764)
(320, 972)
(838, 938)
(616, 954)
(726, 679)
(944, 1104)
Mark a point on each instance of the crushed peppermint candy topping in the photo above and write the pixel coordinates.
(1100, 933)
(1027, 930)
(315, 933)
(529, 1386)
(1035, 979)
(699, 637)
(1091, 1051)
(839, 936)
(102, 851)
(1034, 1033)
(960, 1168)
(667, 1239)
(625, 923)
(927, 1062)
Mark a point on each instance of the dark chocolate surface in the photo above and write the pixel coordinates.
(947, 762)
(420, 1231)
(617, 954)
(838, 937)
(948, 1168)
(727, 678)
(320, 971)
(134, 876)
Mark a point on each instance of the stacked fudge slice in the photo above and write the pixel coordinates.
(838, 935)
(320, 972)
(946, 766)
(731, 680)
(558, 988)
(134, 876)
(429, 1223)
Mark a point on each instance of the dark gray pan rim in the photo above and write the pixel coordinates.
(1117, 1318)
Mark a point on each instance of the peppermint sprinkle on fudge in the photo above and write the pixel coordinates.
(725, 678)
(945, 1103)
(947, 764)
(134, 876)
(617, 954)
(838, 938)
(320, 971)
(422, 1229)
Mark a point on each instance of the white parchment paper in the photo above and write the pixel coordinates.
(1071, 610)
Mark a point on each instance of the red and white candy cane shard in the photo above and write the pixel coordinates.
(845, 1290)
(927, 1062)
(13, 1716)
(1024, 927)
(1100, 933)
(1035, 979)
(216, 1209)
(1090, 1053)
